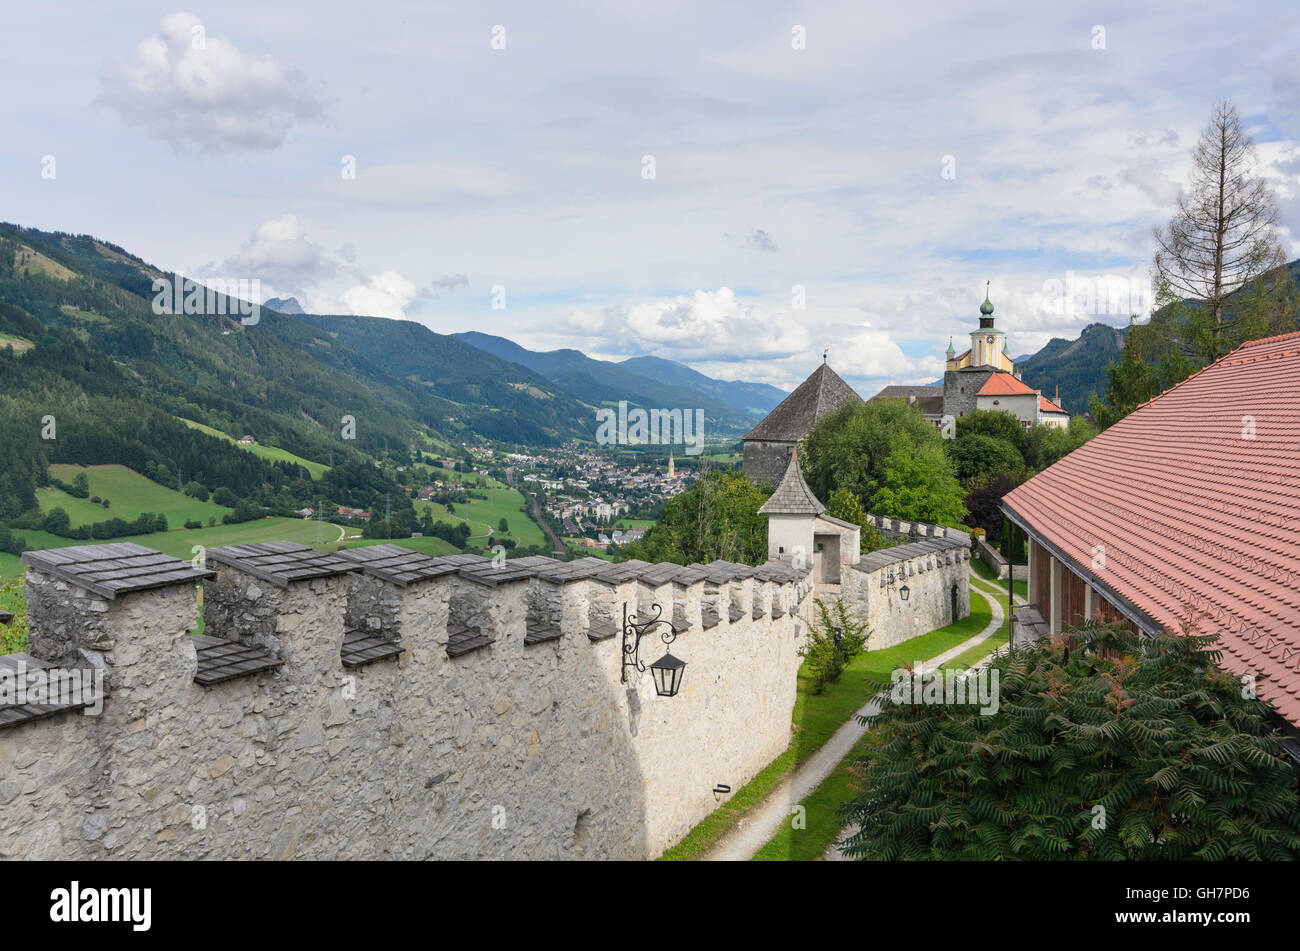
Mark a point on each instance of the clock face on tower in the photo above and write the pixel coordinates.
(989, 339)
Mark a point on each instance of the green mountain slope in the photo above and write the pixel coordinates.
(492, 396)
(1078, 367)
(600, 381)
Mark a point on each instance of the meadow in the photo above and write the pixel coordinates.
(129, 494)
(270, 453)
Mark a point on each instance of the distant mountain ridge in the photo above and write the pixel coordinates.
(642, 381)
(1078, 366)
(284, 305)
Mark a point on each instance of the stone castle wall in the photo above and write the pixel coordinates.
(932, 565)
(510, 751)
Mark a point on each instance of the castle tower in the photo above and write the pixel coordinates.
(791, 515)
(987, 342)
(988, 345)
(672, 466)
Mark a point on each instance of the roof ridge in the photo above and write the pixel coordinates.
(792, 496)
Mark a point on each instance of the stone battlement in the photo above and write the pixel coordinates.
(379, 703)
(899, 528)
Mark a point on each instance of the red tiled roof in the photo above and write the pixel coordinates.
(1004, 384)
(1047, 406)
(1195, 497)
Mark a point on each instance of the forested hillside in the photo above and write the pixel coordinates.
(90, 374)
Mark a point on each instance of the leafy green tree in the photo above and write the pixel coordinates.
(503, 526)
(1105, 745)
(716, 518)
(984, 499)
(1048, 444)
(57, 522)
(848, 448)
(1130, 381)
(919, 485)
(80, 486)
(974, 455)
(843, 504)
(993, 423)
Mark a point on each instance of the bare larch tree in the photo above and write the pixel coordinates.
(1219, 261)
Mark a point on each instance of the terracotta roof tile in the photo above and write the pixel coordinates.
(1004, 384)
(1194, 498)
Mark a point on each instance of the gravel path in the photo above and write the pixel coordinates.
(763, 821)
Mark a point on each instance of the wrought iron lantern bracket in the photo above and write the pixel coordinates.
(634, 630)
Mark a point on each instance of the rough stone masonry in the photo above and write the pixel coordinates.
(523, 745)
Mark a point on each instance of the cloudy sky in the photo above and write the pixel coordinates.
(731, 185)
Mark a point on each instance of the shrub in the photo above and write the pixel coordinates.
(835, 637)
(1105, 744)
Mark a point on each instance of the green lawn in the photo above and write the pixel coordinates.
(817, 717)
(271, 453)
(985, 572)
(821, 807)
(129, 494)
(425, 546)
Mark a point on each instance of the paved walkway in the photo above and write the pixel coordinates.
(985, 587)
(764, 820)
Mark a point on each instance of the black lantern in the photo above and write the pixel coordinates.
(904, 591)
(838, 634)
(667, 673)
(667, 670)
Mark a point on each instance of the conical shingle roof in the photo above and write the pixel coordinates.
(792, 496)
(822, 392)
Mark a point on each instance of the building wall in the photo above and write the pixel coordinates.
(930, 577)
(1023, 406)
(1040, 575)
(508, 752)
(790, 537)
(960, 388)
(765, 462)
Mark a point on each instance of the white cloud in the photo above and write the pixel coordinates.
(279, 254)
(387, 294)
(709, 323)
(201, 93)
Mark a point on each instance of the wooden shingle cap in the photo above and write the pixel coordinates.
(220, 660)
(401, 566)
(540, 632)
(110, 570)
(361, 648)
(280, 563)
(12, 714)
(462, 639)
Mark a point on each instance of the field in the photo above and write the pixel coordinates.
(129, 494)
(425, 546)
(18, 343)
(270, 453)
(26, 258)
(484, 515)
